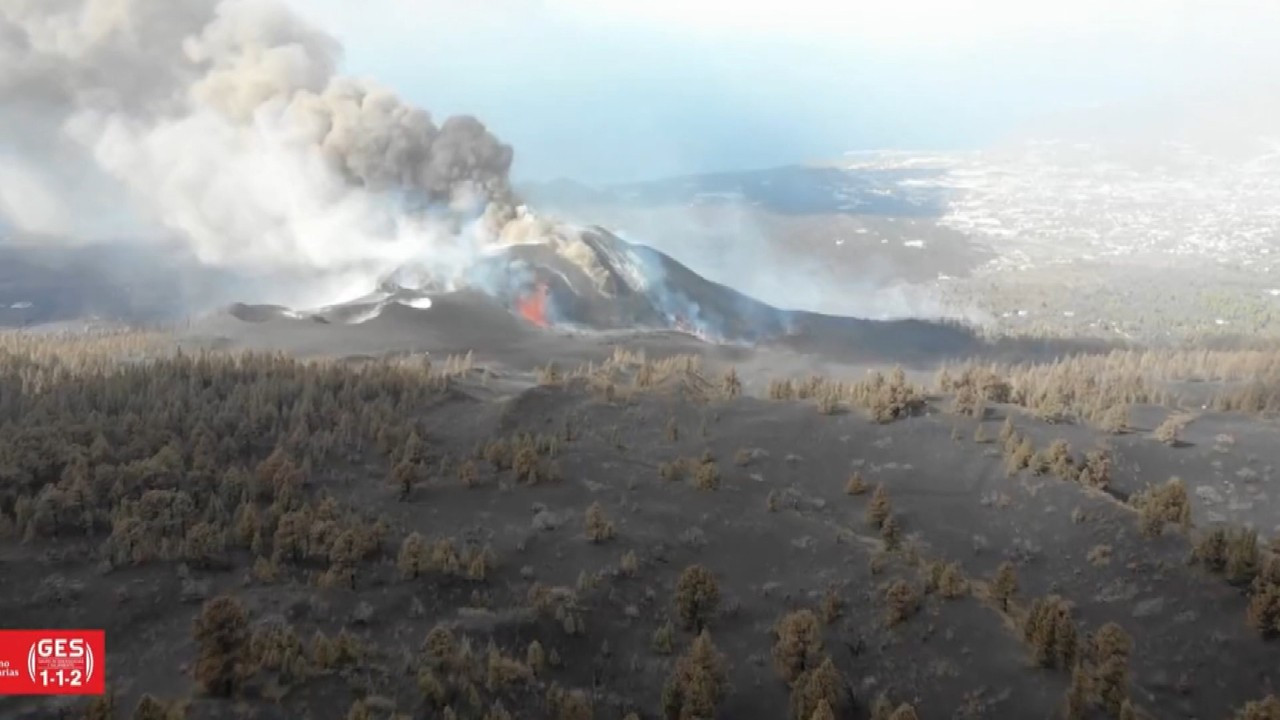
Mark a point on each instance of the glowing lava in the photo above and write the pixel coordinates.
(533, 307)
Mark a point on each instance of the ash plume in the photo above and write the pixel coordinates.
(225, 123)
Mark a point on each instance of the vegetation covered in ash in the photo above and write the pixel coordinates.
(270, 537)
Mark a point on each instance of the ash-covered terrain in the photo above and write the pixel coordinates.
(343, 425)
(663, 536)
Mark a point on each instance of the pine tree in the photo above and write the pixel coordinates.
(1005, 585)
(222, 635)
(697, 596)
(879, 509)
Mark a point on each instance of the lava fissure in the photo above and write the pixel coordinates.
(533, 306)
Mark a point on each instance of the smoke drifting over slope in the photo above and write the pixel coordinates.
(225, 125)
(224, 122)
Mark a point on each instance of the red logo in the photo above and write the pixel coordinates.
(52, 662)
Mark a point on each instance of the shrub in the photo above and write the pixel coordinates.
(1233, 552)
(222, 635)
(1099, 555)
(536, 658)
(902, 601)
(772, 501)
(1096, 471)
(324, 655)
(664, 639)
(1263, 613)
(478, 563)
(1211, 550)
(205, 546)
(1242, 556)
(815, 689)
(503, 672)
(797, 644)
(1051, 633)
(1076, 703)
(1169, 430)
(526, 463)
(881, 707)
(1267, 708)
(878, 562)
(1020, 456)
(892, 400)
(630, 564)
(549, 375)
(276, 648)
(598, 527)
(891, 533)
(968, 401)
(1006, 430)
(1059, 461)
(347, 649)
(707, 476)
(469, 473)
(498, 454)
(1115, 420)
(980, 434)
(698, 683)
(569, 705)
(404, 476)
(697, 597)
(904, 712)
(150, 708)
(1109, 651)
(731, 385)
(832, 607)
(951, 582)
(102, 707)
(829, 403)
(497, 711)
(414, 558)
(823, 712)
(879, 509)
(444, 557)
(1162, 505)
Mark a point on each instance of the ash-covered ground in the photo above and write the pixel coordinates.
(432, 506)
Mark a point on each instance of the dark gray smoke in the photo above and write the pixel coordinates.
(225, 123)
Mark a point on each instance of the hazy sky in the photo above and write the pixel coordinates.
(616, 89)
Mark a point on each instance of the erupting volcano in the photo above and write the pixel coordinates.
(542, 281)
(416, 218)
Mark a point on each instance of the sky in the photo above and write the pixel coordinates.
(613, 90)
(607, 90)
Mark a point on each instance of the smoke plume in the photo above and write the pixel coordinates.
(225, 123)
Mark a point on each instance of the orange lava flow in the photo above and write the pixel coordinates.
(533, 307)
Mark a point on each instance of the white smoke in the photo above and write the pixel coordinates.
(224, 122)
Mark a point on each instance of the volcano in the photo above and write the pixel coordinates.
(542, 282)
(589, 278)
(558, 278)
